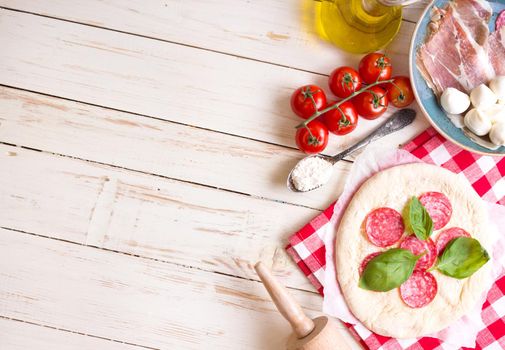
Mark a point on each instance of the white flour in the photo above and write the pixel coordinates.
(311, 172)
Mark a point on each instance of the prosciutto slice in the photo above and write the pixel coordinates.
(474, 15)
(497, 51)
(456, 52)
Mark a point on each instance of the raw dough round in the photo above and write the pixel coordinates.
(384, 312)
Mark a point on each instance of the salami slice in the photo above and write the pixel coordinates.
(419, 290)
(500, 20)
(366, 260)
(417, 247)
(447, 235)
(438, 206)
(384, 226)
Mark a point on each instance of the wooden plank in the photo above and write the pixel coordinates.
(156, 146)
(264, 30)
(413, 12)
(143, 215)
(17, 335)
(168, 81)
(136, 300)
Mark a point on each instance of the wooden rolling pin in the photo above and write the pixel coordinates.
(320, 333)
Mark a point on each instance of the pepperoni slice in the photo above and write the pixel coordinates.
(417, 247)
(384, 226)
(366, 260)
(438, 206)
(419, 290)
(447, 235)
(500, 20)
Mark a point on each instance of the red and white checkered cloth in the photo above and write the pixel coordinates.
(486, 174)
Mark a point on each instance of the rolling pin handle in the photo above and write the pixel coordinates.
(286, 304)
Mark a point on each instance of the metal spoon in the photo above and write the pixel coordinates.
(397, 121)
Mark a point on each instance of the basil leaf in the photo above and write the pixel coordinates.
(462, 257)
(417, 219)
(388, 270)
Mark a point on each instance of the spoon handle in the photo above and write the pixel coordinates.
(397, 121)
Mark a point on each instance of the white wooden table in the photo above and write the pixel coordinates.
(144, 150)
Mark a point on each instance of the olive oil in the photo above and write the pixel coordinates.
(359, 26)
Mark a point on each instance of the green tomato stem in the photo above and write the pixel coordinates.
(308, 130)
(337, 105)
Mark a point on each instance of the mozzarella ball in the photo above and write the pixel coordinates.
(477, 122)
(454, 101)
(497, 134)
(495, 113)
(482, 97)
(497, 85)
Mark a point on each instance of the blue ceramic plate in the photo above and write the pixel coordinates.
(425, 97)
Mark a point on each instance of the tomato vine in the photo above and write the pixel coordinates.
(337, 105)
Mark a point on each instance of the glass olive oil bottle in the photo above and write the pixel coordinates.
(359, 26)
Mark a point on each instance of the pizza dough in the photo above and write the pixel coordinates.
(384, 312)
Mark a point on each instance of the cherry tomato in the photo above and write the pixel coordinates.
(344, 81)
(375, 66)
(400, 92)
(343, 121)
(305, 100)
(372, 103)
(314, 141)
